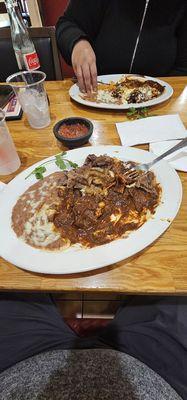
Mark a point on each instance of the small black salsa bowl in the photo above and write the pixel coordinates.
(73, 142)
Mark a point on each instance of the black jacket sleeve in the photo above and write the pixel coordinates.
(81, 19)
(180, 67)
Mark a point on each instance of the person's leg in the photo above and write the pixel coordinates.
(153, 330)
(30, 324)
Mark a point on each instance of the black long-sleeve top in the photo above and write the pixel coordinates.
(112, 27)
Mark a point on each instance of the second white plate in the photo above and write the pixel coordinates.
(75, 94)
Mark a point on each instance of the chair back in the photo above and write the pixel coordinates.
(2, 8)
(46, 47)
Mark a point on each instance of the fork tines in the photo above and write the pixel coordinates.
(131, 172)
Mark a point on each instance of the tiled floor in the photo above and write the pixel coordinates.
(87, 305)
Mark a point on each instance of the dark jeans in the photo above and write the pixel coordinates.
(151, 329)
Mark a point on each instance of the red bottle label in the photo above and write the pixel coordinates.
(32, 61)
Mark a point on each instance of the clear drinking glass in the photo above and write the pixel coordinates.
(29, 88)
(9, 160)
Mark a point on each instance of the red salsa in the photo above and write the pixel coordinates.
(72, 131)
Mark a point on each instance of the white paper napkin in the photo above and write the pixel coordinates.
(151, 129)
(178, 159)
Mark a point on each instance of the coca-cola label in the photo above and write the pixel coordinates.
(32, 61)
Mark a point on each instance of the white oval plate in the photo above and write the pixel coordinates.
(75, 94)
(75, 260)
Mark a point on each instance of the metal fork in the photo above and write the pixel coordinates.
(132, 172)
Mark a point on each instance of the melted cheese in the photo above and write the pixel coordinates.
(39, 229)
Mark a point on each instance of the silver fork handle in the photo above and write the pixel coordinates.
(178, 146)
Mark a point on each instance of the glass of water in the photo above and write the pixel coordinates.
(29, 88)
(9, 159)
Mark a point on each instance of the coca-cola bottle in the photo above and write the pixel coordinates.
(25, 52)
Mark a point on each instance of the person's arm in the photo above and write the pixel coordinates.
(180, 67)
(75, 32)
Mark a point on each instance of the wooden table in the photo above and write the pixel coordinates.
(159, 269)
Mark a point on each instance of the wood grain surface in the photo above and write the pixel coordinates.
(159, 269)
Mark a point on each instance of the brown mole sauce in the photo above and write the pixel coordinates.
(86, 219)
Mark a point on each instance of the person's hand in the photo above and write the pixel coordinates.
(84, 65)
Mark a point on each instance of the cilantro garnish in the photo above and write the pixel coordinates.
(138, 113)
(60, 161)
